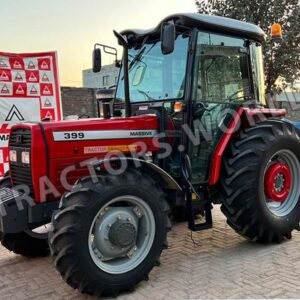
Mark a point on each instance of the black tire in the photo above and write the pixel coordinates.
(24, 243)
(71, 228)
(242, 190)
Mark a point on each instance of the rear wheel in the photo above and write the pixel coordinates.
(30, 243)
(260, 182)
(108, 235)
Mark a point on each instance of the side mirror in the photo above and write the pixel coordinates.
(96, 60)
(168, 32)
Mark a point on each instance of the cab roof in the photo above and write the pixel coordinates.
(204, 22)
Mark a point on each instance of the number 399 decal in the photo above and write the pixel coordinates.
(73, 135)
(86, 135)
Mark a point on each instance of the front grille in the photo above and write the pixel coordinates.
(21, 175)
(20, 140)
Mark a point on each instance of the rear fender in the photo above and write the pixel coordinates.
(158, 174)
(245, 117)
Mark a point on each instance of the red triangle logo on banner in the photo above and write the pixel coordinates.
(32, 77)
(47, 103)
(18, 77)
(44, 65)
(20, 90)
(48, 115)
(45, 77)
(4, 76)
(33, 90)
(46, 91)
(5, 89)
(17, 65)
(31, 65)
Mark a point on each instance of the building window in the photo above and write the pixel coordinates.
(105, 80)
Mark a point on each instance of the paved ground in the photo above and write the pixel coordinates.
(221, 265)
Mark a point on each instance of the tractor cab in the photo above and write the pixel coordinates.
(193, 71)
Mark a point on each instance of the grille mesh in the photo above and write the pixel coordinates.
(25, 135)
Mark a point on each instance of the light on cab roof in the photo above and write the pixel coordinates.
(276, 33)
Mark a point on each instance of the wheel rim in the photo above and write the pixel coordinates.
(121, 234)
(282, 183)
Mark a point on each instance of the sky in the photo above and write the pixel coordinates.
(71, 27)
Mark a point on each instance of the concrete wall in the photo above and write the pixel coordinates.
(82, 101)
(288, 100)
(78, 101)
(97, 80)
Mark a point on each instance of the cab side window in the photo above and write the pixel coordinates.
(222, 69)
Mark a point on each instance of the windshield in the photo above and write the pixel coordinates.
(154, 76)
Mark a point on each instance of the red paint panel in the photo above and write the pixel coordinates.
(265, 111)
(217, 156)
(65, 154)
(278, 169)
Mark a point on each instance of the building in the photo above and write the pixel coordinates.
(106, 78)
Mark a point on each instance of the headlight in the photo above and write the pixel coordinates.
(25, 157)
(13, 155)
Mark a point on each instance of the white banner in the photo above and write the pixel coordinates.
(16, 110)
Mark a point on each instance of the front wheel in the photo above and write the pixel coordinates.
(108, 235)
(260, 182)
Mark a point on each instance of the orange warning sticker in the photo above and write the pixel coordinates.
(106, 149)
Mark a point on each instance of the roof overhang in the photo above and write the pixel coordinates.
(204, 22)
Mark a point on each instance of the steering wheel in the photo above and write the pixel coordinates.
(83, 117)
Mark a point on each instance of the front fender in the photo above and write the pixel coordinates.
(168, 181)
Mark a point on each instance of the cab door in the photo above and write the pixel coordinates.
(222, 83)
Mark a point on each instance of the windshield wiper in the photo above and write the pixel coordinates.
(137, 57)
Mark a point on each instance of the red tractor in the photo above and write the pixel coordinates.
(187, 127)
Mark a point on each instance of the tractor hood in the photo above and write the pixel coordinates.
(98, 136)
(61, 151)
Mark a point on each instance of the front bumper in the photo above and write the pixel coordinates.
(19, 213)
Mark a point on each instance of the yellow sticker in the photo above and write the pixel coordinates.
(106, 149)
(123, 148)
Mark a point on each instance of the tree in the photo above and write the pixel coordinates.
(285, 64)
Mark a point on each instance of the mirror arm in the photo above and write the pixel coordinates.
(108, 49)
(124, 44)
